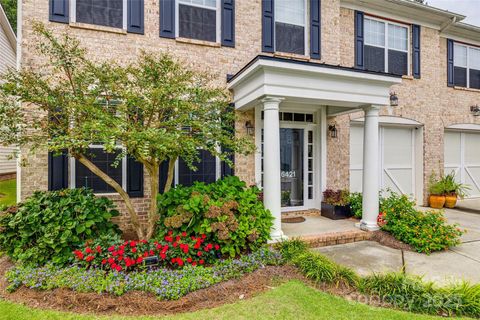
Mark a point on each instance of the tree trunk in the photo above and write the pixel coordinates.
(171, 168)
(153, 215)
(112, 183)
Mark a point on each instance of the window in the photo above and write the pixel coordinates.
(290, 26)
(81, 176)
(207, 170)
(386, 47)
(198, 19)
(466, 61)
(109, 13)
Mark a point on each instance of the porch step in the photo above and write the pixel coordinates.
(334, 238)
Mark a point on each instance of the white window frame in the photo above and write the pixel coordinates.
(467, 66)
(99, 146)
(73, 13)
(306, 27)
(218, 16)
(386, 48)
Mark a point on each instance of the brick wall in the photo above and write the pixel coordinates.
(427, 100)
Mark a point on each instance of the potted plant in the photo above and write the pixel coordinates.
(453, 190)
(437, 192)
(335, 204)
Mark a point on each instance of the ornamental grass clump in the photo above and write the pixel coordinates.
(167, 284)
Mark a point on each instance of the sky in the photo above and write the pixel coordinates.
(469, 8)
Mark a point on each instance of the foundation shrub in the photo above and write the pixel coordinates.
(227, 211)
(47, 226)
(425, 231)
(355, 200)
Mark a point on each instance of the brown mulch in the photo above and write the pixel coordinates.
(293, 219)
(386, 239)
(142, 303)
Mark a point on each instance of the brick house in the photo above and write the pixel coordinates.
(313, 83)
(8, 59)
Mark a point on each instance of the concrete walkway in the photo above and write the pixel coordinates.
(458, 263)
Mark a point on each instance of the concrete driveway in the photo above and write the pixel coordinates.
(458, 263)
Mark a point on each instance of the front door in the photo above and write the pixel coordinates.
(292, 166)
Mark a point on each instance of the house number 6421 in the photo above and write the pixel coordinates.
(288, 174)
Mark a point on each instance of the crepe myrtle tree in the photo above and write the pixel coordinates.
(155, 108)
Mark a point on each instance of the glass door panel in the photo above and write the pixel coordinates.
(292, 166)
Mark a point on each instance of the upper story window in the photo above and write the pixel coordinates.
(386, 46)
(109, 13)
(198, 19)
(466, 63)
(290, 26)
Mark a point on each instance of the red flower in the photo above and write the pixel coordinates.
(88, 250)
(134, 250)
(99, 249)
(194, 263)
(118, 268)
(163, 256)
(89, 258)
(145, 254)
(185, 249)
(165, 248)
(203, 236)
(201, 261)
(170, 232)
(177, 238)
(180, 261)
(133, 243)
(120, 258)
(199, 253)
(139, 260)
(175, 244)
(104, 261)
(173, 260)
(143, 241)
(111, 261)
(168, 239)
(151, 252)
(189, 260)
(197, 245)
(217, 247)
(79, 254)
(184, 234)
(111, 248)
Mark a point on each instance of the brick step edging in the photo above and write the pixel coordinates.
(334, 238)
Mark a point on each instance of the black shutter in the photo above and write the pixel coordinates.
(57, 171)
(416, 50)
(58, 11)
(134, 178)
(359, 40)
(268, 26)
(450, 73)
(162, 179)
(167, 19)
(315, 29)
(135, 14)
(228, 23)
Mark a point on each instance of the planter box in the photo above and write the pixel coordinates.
(336, 212)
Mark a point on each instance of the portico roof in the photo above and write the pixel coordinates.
(308, 82)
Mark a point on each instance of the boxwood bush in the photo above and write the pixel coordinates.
(48, 226)
(227, 212)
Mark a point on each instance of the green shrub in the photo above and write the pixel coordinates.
(411, 293)
(355, 200)
(424, 231)
(48, 226)
(291, 248)
(227, 211)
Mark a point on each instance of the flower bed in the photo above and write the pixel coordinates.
(164, 283)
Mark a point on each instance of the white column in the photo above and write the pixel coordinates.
(271, 163)
(370, 178)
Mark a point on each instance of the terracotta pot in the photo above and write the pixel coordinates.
(450, 201)
(436, 202)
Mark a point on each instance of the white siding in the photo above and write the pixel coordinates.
(7, 60)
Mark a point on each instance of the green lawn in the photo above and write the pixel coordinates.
(292, 300)
(8, 189)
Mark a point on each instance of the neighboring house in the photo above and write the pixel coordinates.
(8, 59)
(312, 82)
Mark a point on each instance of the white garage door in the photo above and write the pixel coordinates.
(462, 155)
(396, 159)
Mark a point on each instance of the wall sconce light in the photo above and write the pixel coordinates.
(393, 99)
(333, 130)
(475, 110)
(250, 128)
